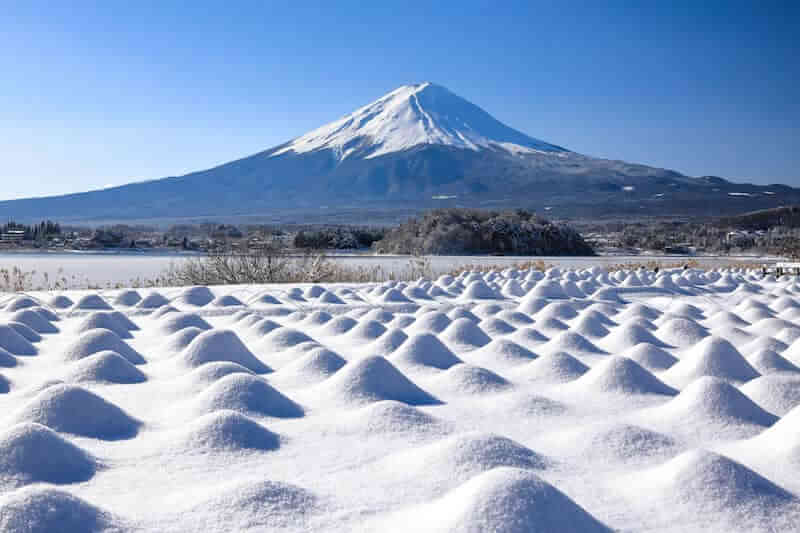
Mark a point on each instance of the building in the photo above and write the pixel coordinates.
(13, 235)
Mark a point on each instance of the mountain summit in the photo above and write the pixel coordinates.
(414, 115)
(418, 146)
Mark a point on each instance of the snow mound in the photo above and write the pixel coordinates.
(711, 483)
(99, 340)
(621, 375)
(546, 289)
(365, 331)
(248, 394)
(338, 326)
(373, 379)
(262, 327)
(104, 367)
(627, 336)
(91, 302)
(504, 500)
(495, 327)
(392, 296)
(458, 458)
(227, 300)
(41, 509)
(103, 320)
(776, 393)
(153, 300)
(713, 356)
(72, 409)
(468, 379)
(19, 303)
(317, 365)
(589, 326)
(6, 359)
(769, 362)
(479, 290)
(651, 357)
(163, 311)
(33, 453)
(209, 373)
(328, 297)
(387, 343)
(256, 505)
(554, 367)
(570, 342)
(29, 334)
(124, 321)
(433, 322)
(530, 305)
(619, 442)
(180, 340)
(425, 349)
(317, 318)
(710, 404)
(221, 345)
(681, 332)
(560, 310)
(33, 320)
(463, 334)
(265, 299)
(61, 302)
(389, 417)
(127, 298)
(515, 318)
(281, 339)
(638, 310)
(500, 353)
(175, 322)
(226, 430)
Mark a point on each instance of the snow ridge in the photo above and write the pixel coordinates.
(414, 115)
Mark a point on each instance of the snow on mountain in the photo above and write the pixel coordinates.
(414, 115)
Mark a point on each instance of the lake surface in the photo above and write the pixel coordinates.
(102, 269)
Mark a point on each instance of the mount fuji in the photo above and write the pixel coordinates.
(418, 146)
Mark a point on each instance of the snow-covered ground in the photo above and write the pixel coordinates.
(571, 400)
(101, 269)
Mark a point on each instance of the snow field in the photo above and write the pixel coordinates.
(569, 400)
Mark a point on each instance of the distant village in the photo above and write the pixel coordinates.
(201, 238)
(680, 237)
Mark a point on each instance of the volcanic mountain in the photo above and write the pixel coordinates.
(418, 146)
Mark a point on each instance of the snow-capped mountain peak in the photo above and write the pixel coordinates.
(414, 115)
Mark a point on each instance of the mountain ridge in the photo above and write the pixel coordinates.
(416, 147)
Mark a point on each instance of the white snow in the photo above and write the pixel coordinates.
(506, 401)
(414, 115)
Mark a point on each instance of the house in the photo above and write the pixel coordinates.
(13, 235)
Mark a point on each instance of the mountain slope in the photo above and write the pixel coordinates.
(416, 147)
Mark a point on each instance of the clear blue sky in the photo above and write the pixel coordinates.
(107, 92)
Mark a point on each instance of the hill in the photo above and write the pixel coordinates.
(417, 147)
(472, 231)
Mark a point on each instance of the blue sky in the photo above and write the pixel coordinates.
(108, 92)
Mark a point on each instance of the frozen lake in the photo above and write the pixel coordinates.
(101, 269)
